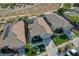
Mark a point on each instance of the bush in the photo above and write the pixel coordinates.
(60, 39)
(67, 6)
(74, 19)
(76, 5)
(60, 11)
(68, 46)
(27, 46)
(75, 32)
(61, 49)
(29, 51)
(6, 5)
(59, 30)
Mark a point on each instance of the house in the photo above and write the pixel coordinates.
(55, 21)
(67, 14)
(72, 17)
(13, 37)
(76, 9)
(38, 31)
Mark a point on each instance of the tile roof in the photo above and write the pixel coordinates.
(39, 27)
(19, 30)
(43, 23)
(76, 9)
(71, 13)
(15, 37)
(57, 21)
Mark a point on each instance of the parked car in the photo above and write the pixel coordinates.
(68, 54)
(72, 52)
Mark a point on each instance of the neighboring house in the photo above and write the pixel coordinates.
(55, 21)
(70, 13)
(13, 36)
(38, 31)
(76, 9)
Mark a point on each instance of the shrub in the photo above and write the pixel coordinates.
(61, 49)
(68, 46)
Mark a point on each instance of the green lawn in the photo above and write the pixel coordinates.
(29, 51)
(60, 39)
(74, 19)
(5, 5)
(67, 6)
(75, 32)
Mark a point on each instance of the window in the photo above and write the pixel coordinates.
(37, 39)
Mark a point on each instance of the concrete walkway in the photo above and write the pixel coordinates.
(50, 47)
(43, 54)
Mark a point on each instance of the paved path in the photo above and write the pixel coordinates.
(49, 45)
(43, 54)
(52, 50)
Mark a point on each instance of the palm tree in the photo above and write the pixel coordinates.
(60, 50)
(68, 46)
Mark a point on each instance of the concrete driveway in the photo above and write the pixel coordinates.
(49, 45)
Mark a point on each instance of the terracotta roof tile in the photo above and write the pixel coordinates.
(18, 29)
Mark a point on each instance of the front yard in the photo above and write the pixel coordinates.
(29, 51)
(32, 51)
(59, 39)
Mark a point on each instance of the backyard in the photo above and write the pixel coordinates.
(59, 39)
(67, 6)
(75, 32)
(74, 19)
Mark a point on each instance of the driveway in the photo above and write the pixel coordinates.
(49, 45)
(75, 41)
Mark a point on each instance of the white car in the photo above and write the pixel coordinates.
(73, 52)
(68, 54)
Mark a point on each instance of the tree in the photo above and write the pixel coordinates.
(60, 50)
(76, 5)
(60, 11)
(68, 46)
(67, 6)
(59, 30)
